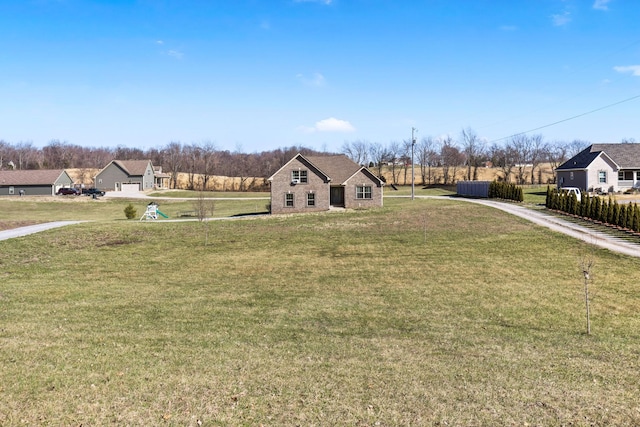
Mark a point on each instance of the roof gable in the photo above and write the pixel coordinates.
(583, 159)
(338, 168)
(129, 167)
(299, 157)
(626, 156)
(134, 167)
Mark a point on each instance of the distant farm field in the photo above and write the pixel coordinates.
(424, 312)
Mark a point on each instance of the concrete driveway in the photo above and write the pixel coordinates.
(24, 231)
(559, 225)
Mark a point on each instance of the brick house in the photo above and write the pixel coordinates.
(317, 183)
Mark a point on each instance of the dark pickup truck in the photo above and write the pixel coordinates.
(92, 192)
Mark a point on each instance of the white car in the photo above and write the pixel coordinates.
(572, 190)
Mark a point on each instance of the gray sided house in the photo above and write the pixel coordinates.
(36, 182)
(126, 175)
(602, 167)
(317, 183)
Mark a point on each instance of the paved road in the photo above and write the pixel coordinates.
(23, 231)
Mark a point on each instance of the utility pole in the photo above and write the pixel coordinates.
(413, 176)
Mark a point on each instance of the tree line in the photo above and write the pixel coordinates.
(518, 159)
(199, 161)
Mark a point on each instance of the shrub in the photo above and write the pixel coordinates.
(505, 190)
(130, 212)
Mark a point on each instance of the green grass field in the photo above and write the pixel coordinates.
(424, 312)
(112, 209)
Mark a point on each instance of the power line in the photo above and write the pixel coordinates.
(567, 119)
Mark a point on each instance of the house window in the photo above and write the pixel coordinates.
(311, 200)
(625, 175)
(363, 192)
(571, 176)
(299, 176)
(602, 177)
(637, 175)
(288, 200)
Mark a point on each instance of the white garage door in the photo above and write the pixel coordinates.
(130, 188)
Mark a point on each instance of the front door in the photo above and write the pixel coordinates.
(337, 196)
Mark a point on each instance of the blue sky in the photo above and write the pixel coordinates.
(254, 75)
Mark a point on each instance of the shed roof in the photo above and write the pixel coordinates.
(30, 176)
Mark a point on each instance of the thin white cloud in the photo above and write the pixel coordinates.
(316, 80)
(265, 25)
(601, 4)
(633, 69)
(329, 125)
(175, 54)
(159, 42)
(327, 2)
(561, 19)
(508, 28)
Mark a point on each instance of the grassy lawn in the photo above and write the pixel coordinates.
(207, 194)
(106, 209)
(424, 312)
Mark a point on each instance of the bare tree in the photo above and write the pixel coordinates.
(172, 155)
(4, 151)
(405, 157)
(537, 155)
(556, 155)
(521, 146)
(356, 151)
(209, 160)
(58, 155)
(451, 159)
(503, 158)
(204, 209)
(473, 150)
(576, 146)
(586, 265)
(427, 157)
(394, 158)
(192, 155)
(379, 155)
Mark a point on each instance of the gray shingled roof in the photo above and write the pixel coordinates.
(30, 176)
(627, 156)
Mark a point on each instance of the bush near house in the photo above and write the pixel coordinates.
(130, 212)
(505, 190)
